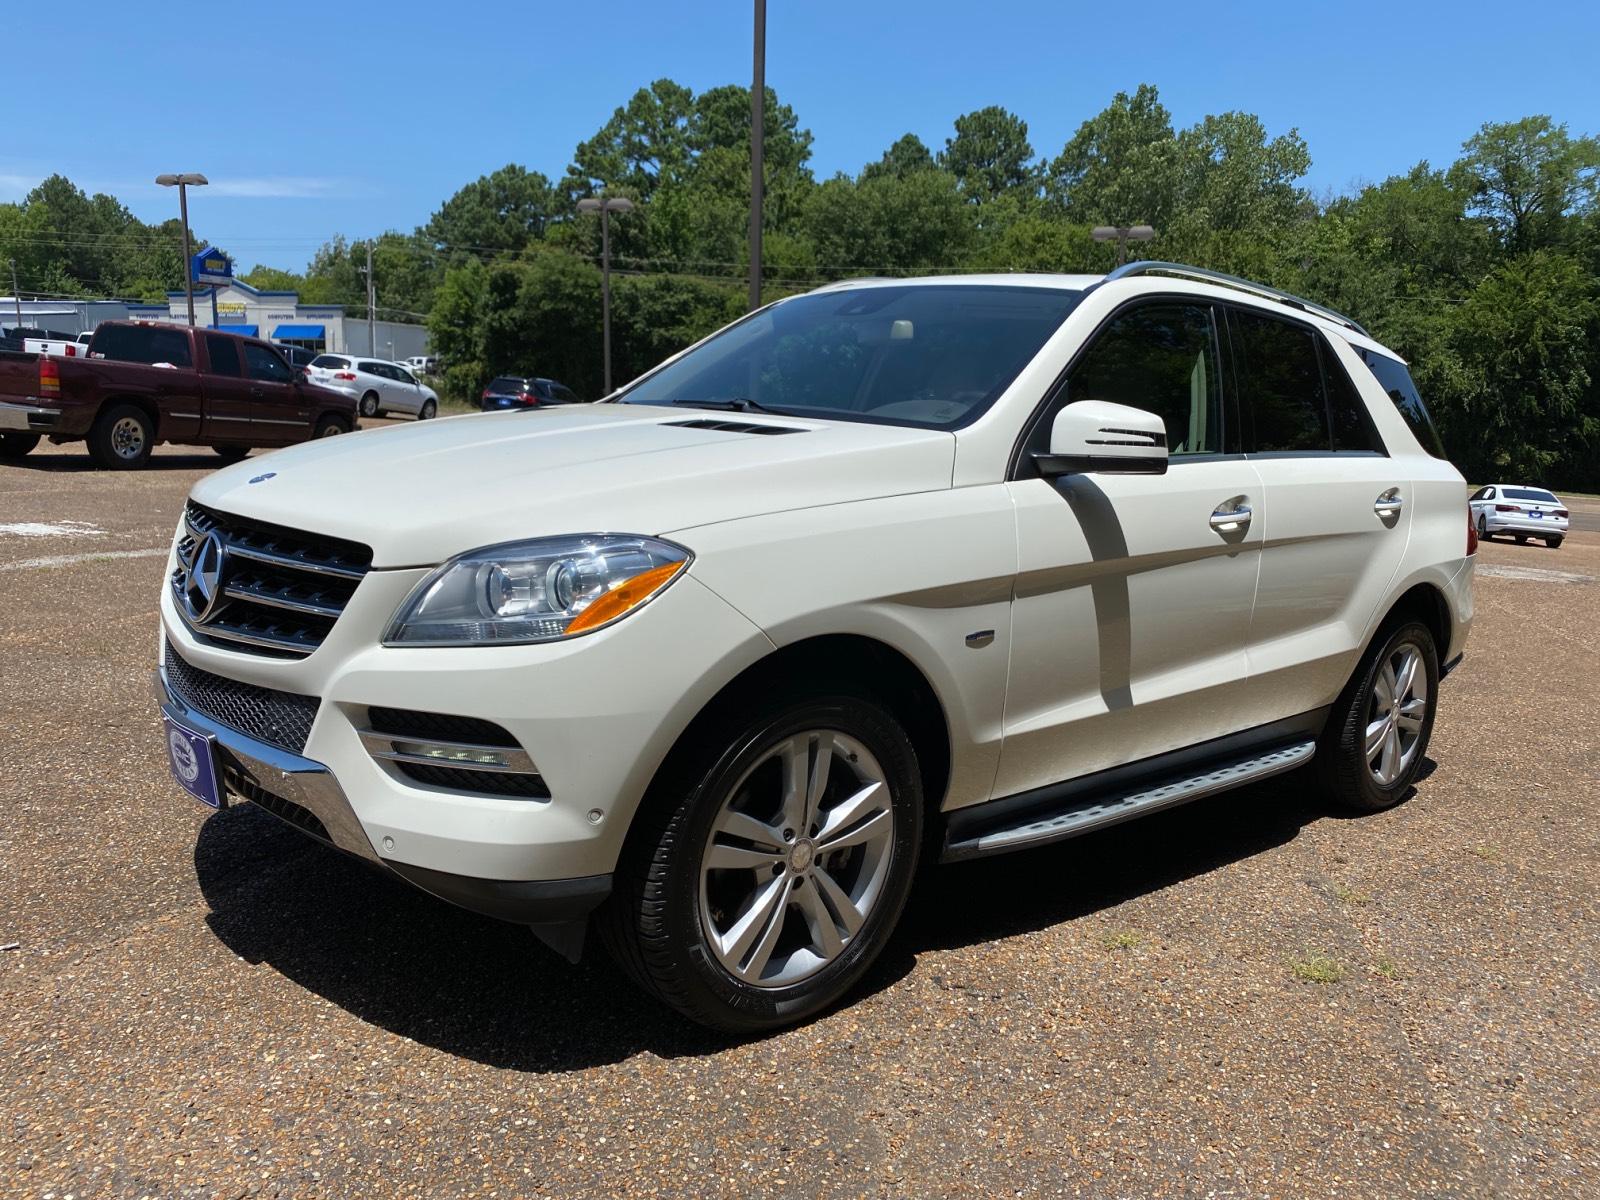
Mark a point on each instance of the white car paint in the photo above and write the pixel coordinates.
(1520, 509)
(1120, 623)
(393, 385)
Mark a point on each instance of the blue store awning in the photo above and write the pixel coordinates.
(299, 333)
(245, 330)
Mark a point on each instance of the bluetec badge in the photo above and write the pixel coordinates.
(264, 478)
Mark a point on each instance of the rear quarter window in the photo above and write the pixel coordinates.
(1393, 378)
(142, 344)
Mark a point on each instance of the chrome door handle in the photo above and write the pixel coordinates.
(1226, 519)
(1389, 504)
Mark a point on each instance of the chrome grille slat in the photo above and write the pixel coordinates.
(282, 589)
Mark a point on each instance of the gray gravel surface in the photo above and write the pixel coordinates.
(209, 1005)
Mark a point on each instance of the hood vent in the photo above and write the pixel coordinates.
(732, 426)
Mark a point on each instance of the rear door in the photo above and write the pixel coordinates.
(407, 389)
(1336, 512)
(227, 391)
(278, 409)
(1133, 592)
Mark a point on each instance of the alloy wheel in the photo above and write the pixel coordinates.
(1397, 710)
(796, 859)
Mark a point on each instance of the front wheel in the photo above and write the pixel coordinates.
(17, 445)
(773, 866)
(231, 454)
(428, 411)
(1377, 734)
(331, 426)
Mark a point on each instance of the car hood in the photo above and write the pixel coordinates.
(423, 492)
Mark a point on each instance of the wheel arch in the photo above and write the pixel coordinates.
(143, 403)
(1424, 602)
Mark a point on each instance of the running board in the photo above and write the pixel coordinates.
(1083, 813)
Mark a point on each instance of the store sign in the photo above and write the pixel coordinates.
(211, 266)
(231, 309)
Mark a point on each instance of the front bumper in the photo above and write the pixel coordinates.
(28, 418)
(291, 787)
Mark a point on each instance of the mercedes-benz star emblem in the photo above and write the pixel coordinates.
(202, 580)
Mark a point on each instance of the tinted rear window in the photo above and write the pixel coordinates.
(1393, 378)
(1282, 384)
(331, 361)
(142, 344)
(1529, 494)
(507, 383)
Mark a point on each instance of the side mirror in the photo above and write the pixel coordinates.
(1095, 437)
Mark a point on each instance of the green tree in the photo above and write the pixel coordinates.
(504, 211)
(907, 155)
(990, 154)
(1120, 167)
(1527, 177)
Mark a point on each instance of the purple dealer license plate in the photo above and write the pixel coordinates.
(193, 762)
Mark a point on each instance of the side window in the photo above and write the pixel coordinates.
(1480, 494)
(565, 395)
(1488, 493)
(1280, 381)
(1347, 411)
(1162, 358)
(403, 376)
(265, 365)
(224, 355)
(1393, 377)
(144, 344)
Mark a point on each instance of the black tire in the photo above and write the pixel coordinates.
(1554, 541)
(1483, 529)
(369, 405)
(1341, 765)
(17, 445)
(232, 454)
(652, 923)
(428, 411)
(1522, 538)
(331, 425)
(122, 438)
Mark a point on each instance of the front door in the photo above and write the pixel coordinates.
(1134, 592)
(279, 412)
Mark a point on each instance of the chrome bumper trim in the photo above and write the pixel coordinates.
(514, 760)
(30, 418)
(300, 780)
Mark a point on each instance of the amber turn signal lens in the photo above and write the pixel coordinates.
(623, 597)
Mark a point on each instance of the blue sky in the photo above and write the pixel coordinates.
(355, 118)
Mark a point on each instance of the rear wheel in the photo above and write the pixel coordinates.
(774, 864)
(1554, 541)
(428, 411)
(1522, 538)
(1483, 529)
(231, 454)
(122, 438)
(1378, 732)
(17, 445)
(369, 405)
(331, 426)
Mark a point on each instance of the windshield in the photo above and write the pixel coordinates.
(1529, 494)
(931, 355)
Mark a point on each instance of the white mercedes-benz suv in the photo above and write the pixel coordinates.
(896, 570)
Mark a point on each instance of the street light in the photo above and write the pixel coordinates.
(183, 183)
(1122, 235)
(605, 207)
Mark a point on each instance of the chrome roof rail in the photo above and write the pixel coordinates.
(1184, 271)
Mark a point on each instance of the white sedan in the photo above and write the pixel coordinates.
(1519, 510)
(378, 386)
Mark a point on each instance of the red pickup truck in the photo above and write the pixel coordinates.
(142, 384)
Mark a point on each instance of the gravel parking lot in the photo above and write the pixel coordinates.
(1246, 997)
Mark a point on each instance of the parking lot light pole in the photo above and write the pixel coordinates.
(605, 207)
(1122, 235)
(183, 183)
(758, 131)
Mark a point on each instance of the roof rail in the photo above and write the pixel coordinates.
(1184, 271)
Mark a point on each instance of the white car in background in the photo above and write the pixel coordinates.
(1519, 510)
(379, 387)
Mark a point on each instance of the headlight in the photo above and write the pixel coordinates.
(536, 591)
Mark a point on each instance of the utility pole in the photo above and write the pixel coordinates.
(15, 294)
(372, 304)
(758, 129)
(605, 207)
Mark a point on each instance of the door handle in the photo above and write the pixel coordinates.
(1389, 504)
(1225, 520)
(257, 393)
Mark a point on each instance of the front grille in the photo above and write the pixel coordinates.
(281, 719)
(281, 589)
(287, 811)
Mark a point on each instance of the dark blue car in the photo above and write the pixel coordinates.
(516, 391)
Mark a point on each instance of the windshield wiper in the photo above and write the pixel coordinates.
(737, 404)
